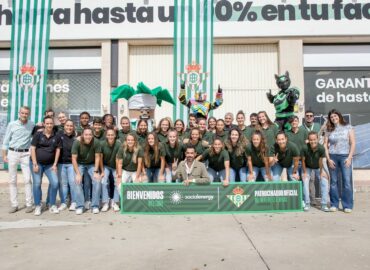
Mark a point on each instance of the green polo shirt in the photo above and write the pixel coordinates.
(248, 131)
(162, 153)
(312, 157)
(223, 136)
(127, 163)
(161, 137)
(199, 147)
(237, 162)
(299, 137)
(122, 135)
(286, 158)
(270, 134)
(110, 153)
(173, 153)
(141, 138)
(86, 153)
(257, 160)
(208, 137)
(217, 161)
(315, 127)
(79, 130)
(100, 135)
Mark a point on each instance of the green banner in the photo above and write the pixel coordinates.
(215, 198)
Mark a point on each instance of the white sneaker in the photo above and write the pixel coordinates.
(62, 207)
(306, 208)
(333, 209)
(37, 210)
(79, 211)
(115, 207)
(54, 209)
(95, 210)
(72, 207)
(87, 205)
(347, 210)
(105, 207)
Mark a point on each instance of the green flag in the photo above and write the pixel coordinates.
(193, 50)
(29, 57)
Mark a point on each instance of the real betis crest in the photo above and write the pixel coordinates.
(193, 76)
(238, 198)
(28, 79)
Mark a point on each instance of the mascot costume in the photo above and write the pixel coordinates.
(198, 105)
(284, 101)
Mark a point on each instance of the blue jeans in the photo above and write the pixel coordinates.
(152, 174)
(105, 183)
(323, 183)
(347, 191)
(37, 181)
(67, 182)
(88, 172)
(213, 174)
(242, 172)
(257, 170)
(277, 169)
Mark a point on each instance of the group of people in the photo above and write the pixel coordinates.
(86, 164)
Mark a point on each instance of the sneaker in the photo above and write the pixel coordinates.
(37, 210)
(62, 207)
(95, 210)
(115, 207)
(87, 205)
(306, 208)
(29, 209)
(13, 209)
(105, 207)
(333, 209)
(54, 209)
(347, 210)
(79, 211)
(325, 208)
(72, 207)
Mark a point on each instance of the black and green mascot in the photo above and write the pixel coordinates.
(284, 101)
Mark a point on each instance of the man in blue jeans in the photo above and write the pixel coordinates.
(312, 161)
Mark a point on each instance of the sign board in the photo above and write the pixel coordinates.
(138, 19)
(214, 198)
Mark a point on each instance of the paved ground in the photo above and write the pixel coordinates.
(313, 240)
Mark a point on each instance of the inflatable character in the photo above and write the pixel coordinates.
(284, 101)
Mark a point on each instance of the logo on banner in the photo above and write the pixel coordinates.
(193, 76)
(176, 197)
(28, 79)
(238, 198)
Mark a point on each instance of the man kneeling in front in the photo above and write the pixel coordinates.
(190, 171)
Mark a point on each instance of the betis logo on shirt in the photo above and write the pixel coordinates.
(238, 198)
(27, 79)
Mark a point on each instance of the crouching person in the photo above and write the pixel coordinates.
(190, 171)
(86, 160)
(312, 161)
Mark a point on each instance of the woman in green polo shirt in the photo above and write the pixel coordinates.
(205, 134)
(235, 145)
(218, 162)
(180, 128)
(162, 129)
(212, 124)
(154, 159)
(220, 130)
(246, 130)
(196, 141)
(174, 153)
(142, 132)
(259, 158)
(285, 155)
(109, 147)
(268, 128)
(86, 161)
(129, 161)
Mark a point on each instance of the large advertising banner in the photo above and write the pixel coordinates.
(348, 91)
(214, 198)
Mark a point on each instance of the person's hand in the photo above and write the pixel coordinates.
(304, 176)
(251, 177)
(118, 179)
(35, 168)
(161, 178)
(5, 159)
(226, 182)
(269, 176)
(331, 164)
(102, 174)
(187, 182)
(97, 176)
(78, 179)
(295, 176)
(348, 162)
(182, 86)
(54, 168)
(219, 90)
(174, 164)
